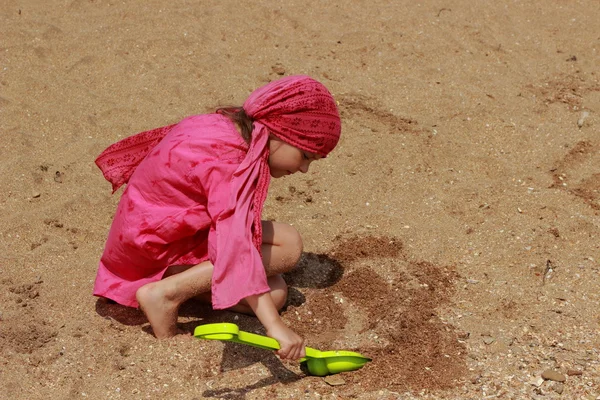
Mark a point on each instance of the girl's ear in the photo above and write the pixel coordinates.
(274, 143)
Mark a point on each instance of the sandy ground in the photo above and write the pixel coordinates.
(452, 236)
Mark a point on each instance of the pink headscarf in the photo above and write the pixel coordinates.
(296, 109)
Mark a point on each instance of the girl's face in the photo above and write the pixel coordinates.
(285, 159)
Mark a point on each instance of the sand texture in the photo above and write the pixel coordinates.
(453, 235)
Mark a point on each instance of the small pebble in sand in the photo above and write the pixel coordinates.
(558, 387)
(278, 69)
(574, 372)
(36, 195)
(552, 375)
(334, 380)
(488, 340)
(463, 334)
(537, 382)
(582, 118)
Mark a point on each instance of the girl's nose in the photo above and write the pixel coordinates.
(304, 167)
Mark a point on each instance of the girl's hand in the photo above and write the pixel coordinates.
(292, 345)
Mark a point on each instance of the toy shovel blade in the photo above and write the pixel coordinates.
(319, 363)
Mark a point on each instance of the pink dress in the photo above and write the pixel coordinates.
(183, 205)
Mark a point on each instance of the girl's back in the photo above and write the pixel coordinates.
(165, 210)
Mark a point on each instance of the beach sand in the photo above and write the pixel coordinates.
(452, 236)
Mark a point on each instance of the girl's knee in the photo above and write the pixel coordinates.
(279, 291)
(293, 245)
(279, 298)
(282, 247)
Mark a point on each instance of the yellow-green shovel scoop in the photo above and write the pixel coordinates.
(319, 363)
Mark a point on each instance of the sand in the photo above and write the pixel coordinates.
(452, 236)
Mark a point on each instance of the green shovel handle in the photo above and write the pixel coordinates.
(231, 333)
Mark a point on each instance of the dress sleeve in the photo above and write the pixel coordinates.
(238, 268)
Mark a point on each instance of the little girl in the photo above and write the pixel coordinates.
(189, 221)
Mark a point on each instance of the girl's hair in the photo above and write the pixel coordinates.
(238, 116)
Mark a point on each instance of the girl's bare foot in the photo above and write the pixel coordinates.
(160, 309)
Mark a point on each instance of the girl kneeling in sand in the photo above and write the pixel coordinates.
(189, 221)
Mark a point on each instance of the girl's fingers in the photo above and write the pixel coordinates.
(294, 354)
(282, 354)
(291, 353)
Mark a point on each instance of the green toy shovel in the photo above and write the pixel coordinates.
(318, 363)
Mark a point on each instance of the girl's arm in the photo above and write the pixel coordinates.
(292, 345)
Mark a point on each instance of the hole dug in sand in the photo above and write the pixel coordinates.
(392, 320)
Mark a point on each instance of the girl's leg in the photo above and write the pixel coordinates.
(281, 247)
(281, 251)
(279, 291)
(160, 301)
